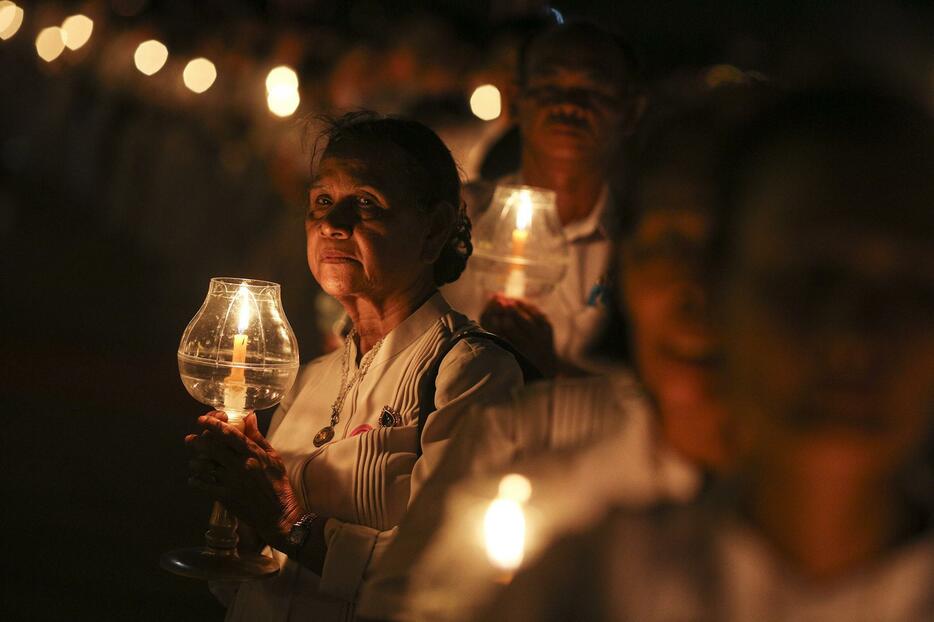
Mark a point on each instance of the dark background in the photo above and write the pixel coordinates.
(119, 200)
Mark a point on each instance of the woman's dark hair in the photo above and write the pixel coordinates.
(431, 174)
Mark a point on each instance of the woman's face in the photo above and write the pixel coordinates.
(365, 236)
(828, 325)
(666, 297)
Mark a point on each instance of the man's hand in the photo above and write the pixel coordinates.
(524, 326)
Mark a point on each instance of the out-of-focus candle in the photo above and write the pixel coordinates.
(150, 56)
(504, 524)
(11, 17)
(199, 74)
(486, 102)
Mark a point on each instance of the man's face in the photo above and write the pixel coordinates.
(574, 102)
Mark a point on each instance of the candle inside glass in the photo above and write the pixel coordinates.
(235, 384)
(515, 282)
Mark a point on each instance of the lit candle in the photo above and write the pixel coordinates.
(504, 524)
(235, 383)
(515, 282)
(239, 356)
(240, 339)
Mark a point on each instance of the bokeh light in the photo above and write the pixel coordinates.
(282, 91)
(50, 43)
(515, 487)
(11, 18)
(7, 14)
(77, 29)
(283, 101)
(199, 75)
(150, 56)
(486, 102)
(282, 76)
(504, 528)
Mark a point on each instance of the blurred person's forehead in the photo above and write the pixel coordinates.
(876, 188)
(840, 203)
(598, 57)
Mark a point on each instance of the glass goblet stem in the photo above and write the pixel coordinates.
(221, 536)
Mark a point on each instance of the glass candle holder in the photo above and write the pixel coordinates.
(519, 246)
(238, 354)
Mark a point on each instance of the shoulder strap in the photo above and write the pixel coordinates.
(427, 385)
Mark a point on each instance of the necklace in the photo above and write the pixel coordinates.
(326, 433)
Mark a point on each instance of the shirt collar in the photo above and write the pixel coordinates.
(594, 223)
(410, 329)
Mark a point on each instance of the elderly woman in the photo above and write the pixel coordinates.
(364, 425)
(826, 311)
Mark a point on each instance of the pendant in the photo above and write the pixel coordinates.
(389, 418)
(324, 435)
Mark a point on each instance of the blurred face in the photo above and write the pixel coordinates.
(666, 296)
(365, 236)
(828, 322)
(574, 102)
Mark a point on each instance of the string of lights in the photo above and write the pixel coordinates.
(199, 74)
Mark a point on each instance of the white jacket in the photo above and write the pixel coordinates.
(365, 478)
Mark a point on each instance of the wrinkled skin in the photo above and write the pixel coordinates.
(244, 472)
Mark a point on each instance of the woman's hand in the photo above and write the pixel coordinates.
(524, 326)
(244, 472)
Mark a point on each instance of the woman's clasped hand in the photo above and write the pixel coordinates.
(244, 472)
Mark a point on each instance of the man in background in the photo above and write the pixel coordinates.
(578, 97)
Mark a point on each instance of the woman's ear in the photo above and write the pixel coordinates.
(440, 224)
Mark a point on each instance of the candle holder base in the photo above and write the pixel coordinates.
(209, 564)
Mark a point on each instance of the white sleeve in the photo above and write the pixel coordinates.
(474, 373)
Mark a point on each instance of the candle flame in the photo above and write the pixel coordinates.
(515, 487)
(524, 213)
(243, 311)
(504, 523)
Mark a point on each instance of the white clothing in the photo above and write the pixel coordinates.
(574, 317)
(700, 563)
(585, 444)
(364, 479)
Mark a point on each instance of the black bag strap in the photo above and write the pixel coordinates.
(427, 385)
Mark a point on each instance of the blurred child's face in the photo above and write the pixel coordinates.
(666, 295)
(828, 317)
